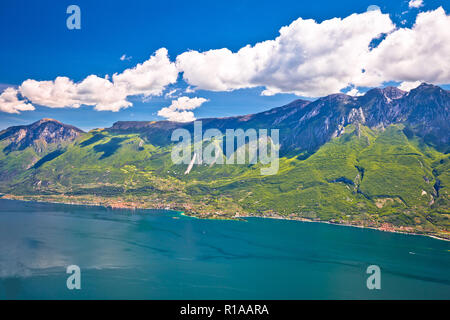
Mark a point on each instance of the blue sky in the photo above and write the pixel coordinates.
(36, 44)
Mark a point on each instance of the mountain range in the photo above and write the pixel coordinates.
(377, 160)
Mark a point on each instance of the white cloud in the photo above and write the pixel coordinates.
(415, 3)
(407, 86)
(10, 103)
(307, 58)
(64, 93)
(125, 57)
(315, 59)
(186, 103)
(148, 79)
(354, 92)
(420, 53)
(171, 93)
(189, 89)
(177, 110)
(176, 116)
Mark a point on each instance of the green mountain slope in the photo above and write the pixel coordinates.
(383, 178)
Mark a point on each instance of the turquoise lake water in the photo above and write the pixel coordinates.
(155, 254)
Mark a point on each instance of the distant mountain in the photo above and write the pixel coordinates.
(428, 113)
(38, 135)
(379, 160)
(305, 125)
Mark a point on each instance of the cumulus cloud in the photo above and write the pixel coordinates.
(415, 3)
(177, 111)
(412, 54)
(150, 77)
(407, 86)
(315, 59)
(307, 58)
(63, 92)
(10, 103)
(147, 79)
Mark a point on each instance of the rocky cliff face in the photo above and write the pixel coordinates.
(38, 135)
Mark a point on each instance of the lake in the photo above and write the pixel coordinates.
(157, 254)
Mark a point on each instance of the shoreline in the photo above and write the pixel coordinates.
(351, 225)
(238, 218)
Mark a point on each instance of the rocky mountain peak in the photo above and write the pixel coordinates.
(387, 93)
(393, 92)
(426, 89)
(39, 134)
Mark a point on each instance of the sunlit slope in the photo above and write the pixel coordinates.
(363, 175)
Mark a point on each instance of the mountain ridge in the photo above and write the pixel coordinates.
(379, 107)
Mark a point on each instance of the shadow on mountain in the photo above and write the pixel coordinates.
(109, 148)
(48, 157)
(92, 140)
